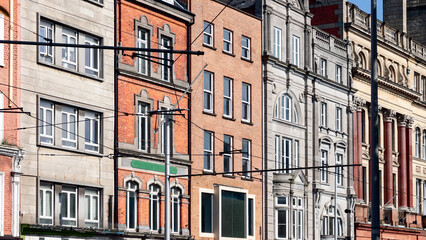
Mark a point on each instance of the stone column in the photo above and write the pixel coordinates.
(409, 161)
(388, 177)
(402, 170)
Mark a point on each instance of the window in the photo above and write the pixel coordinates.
(166, 137)
(295, 51)
(246, 102)
(339, 170)
(208, 91)
(175, 196)
(143, 42)
(91, 130)
(286, 107)
(69, 206)
(417, 143)
(208, 34)
(323, 114)
(364, 183)
(69, 54)
(281, 214)
(393, 136)
(297, 218)
(338, 119)
(143, 127)
(424, 145)
(394, 196)
(131, 205)
(227, 153)
(418, 203)
(246, 156)
(206, 213)
(277, 152)
(233, 219)
(227, 97)
(92, 56)
(424, 197)
(69, 127)
(339, 74)
(324, 163)
(2, 204)
(323, 67)
(286, 154)
(46, 122)
(245, 45)
(250, 217)
(328, 222)
(208, 151)
(46, 204)
(277, 43)
(392, 76)
(416, 82)
(91, 198)
(296, 154)
(166, 59)
(1, 38)
(46, 35)
(154, 207)
(227, 40)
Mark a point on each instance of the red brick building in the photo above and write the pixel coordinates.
(152, 81)
(10, 153)
(226, 129)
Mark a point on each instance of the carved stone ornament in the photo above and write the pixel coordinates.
(389, 115)
(410, 121)
(402, 119)
(318, 98)
(302, 97)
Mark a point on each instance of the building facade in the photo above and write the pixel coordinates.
(150, 81)
(307, 118)
(11, 155)
(68, 178)
(401, 71)
(226, 124)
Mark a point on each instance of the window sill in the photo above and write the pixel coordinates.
(95, 3)
(70, 150)
(70, 71)
(208, 46)
(245, 178)
(227, 175)
(247, 122)
(228, 118)
(208, 172)
(209, 113)
(247, 59)
(228, 53)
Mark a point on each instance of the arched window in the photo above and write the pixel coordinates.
(393, 135)
(417, 143)
(175, 196)
(328, 226)
(424, 146)
(285, 107)
(131, 205)
(379, 69)
(392, 76)
(154, 207)
(362, 61)
(363, 126)
(285, 110)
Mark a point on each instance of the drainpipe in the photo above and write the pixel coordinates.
(11, 53)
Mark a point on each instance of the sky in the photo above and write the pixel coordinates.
(365, 5)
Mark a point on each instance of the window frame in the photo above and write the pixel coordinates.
(141, 43)
(143, 116)
(210, 35)
(175, 197)
(246, 104)
(91, 196)
(417, 143)
(324, 163)
(339, 123)
(296, 50)
(282, 207)
(43, 122)
(245, 50)
(323, 114)
(228, 42)
(339, 78)
(228, 155)
(90, 40)
(424, 145)
(286, 154)
(45, 188)
(229, 98)
(50, 51)
(211, 195)
(246, 158)
(323, 67)
(155, 201)
(339, 170)
(209, 151)
(131, 191)
(67, 58)
(208, 92)
(166, 59)
(277, 42)
(92, 117)
(68, 123)
(286, 107)
(68, 193)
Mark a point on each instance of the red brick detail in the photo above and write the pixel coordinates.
(324, 15)
(334, 31)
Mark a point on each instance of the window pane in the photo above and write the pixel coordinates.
(87, 130)
(64, 205)
(87, 206)
(95, 208)
(131, 210)
(250, 217)
(233, 214)
(282, 223)
(206, 212)
(72, 205)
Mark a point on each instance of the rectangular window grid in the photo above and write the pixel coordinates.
(227, 97)
(208, 34)
(208, 91)
(246, 157)
(246, 102)
(227, 40)
(208, 151)
(245, 45)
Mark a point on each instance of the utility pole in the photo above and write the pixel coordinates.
(375, 209)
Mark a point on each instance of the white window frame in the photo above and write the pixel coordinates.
(323, 64)
(69, 193)
(66, 60)
(277, 42)
(339, 170)
(246, 158)
(49, 51)
(209, 152)
(296, 153)
(134, 191)
(45, 188)
(211, 193)
(44, 123)
(296, 50)
(228, 155)
(286, 104)
(424, 197)
(208, 93)
(143, 43)
(166, 64)
(246, 103)
(1, 44)
(286, 156)
(245, 49)
(418, 196)
(280, 207)
(93, 195)
(277, 152)
(339, 119)
(417, 143)
(153, 194)
(69, 112)
(251, 197)
(208, 35)
(323, 116)
(339, 78)
(92, 117)
(226, 98)
(92, 67)
(324, 163)
(424, 145)
(227, 42)
(175, 196)
(142, 115)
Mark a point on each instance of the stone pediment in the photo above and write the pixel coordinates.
(298, 177)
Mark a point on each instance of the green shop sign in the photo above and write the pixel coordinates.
(152, 166)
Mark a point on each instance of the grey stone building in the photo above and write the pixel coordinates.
(307, 123)
(68, 178)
